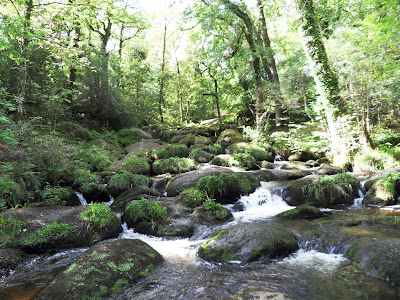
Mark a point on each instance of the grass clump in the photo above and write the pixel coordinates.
(245, 160)
(212, 207)
(98, 215)
(143, 210)
(48, 234)
(215, 149)
(389, 182)
(126, 180)
(192, 197)
(172, 150)
(173, 165)
(9, 229)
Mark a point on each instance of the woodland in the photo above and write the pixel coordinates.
(105, 96)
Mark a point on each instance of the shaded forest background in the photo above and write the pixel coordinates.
(76, 76)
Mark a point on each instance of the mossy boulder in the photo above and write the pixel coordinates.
(203, 140)
(255, 150)
(377, 257)
(249, 242)
(209, 217)
(124, 181)
(189, 179)
(200, 156)
(54, 228)
(74, 130)
(173, 165)
(384, 191)
(133, 164)
(229, 137)
(144, 210)
(172, 150)
(303, 156)
(95, 193)
(326, 191)
(144, 146)
(224, 160)
(280, 175)
(302, 212)
(102, 270)
(129, 136)
(134, 193)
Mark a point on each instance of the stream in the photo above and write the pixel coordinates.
(316, 271)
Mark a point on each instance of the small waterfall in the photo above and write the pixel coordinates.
(82, 199)
(265, 202)
(110, 202)
(358, 201)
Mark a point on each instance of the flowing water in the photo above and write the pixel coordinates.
(306, 274)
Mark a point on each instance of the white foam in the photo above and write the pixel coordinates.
(391, 208)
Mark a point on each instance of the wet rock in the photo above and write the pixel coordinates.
(169, 230)
(202, 140)
(96, 193)
(303, 156)
(224, 160)
(102, 270)
(377, 257)
(229, 137)
(10, 258)
(133, 194)
(189, 179)
(383, 191)
(249, 242)
(201, 156)
(203, 217)
(328, 170)
(147, 146)
(54, 228)
(279, 174)
(302, 212)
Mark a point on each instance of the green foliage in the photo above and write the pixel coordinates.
(143, 210)
(98, 215)
(117, 285)
(255, 135)
(93, 158)
(48, 234)
(227, 186)
(55, 195)
(136, 164)
(89, 181)
(192, 197)
(74, 130)
(245, 160)
(212, 207)
(126, 180)
(173, 165)
(215, 149)
(376, 160)
(172, 150)
(9, 229)
(389, 182)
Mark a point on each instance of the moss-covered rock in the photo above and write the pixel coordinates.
(258, 152)
(302, 212)
(384, 191)
(319, 191)
(279, 174)
(144, 210)
(10, 258)
(249, 242)
(200, 156)
(53, 228)
(189, 179)
(133, 164)
(173, 165)
(172, 150)
(135, 193)
(95, 193)
(303, 156)
(377, 257)
(192, 197)
(229, 137)
(124, 181)
(225, 160)
(144, 146)
(102, 270)
(74, 130)
(130, 136)
(208, 217)
(203, 140)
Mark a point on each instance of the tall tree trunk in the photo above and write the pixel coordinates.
(23, 70)
(162, 75)
(73, 70)
(272, 70)
(179, 93)
(326, 82)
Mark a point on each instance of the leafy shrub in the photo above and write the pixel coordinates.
(136, 164)
(55, 195)
(11, 193)
(389, 182)
(98, 215)
(9, 229)
(173, 165)
(143, 210)
(93, 158)
(245, 160)
(89, 181)
(127, 136)
(172, 150)
(374, 160)
(74, 130)
(192, 197)
(126, 180)
(48, 234)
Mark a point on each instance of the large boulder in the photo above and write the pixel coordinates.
(384, 191)
(134, 194)
(249, 242)
(189, 179)
(279, 174)
(54, 228)
(224, 160)
(102, 270)
(318, 191)
(229, 137)
(145, 146)
(377, 257)
(128, 136)
(302, 212)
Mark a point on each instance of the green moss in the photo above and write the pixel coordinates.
(98, 215)
(118, 285)
(245, 160)
(127, 180)
(172, 150)
(192, 197)
(352, 252)
(136, 164)
(48, 234)
(215, 149)
(173, 165)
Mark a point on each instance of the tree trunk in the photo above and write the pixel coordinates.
(162, 77)
(272, 70)
(73, 69)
